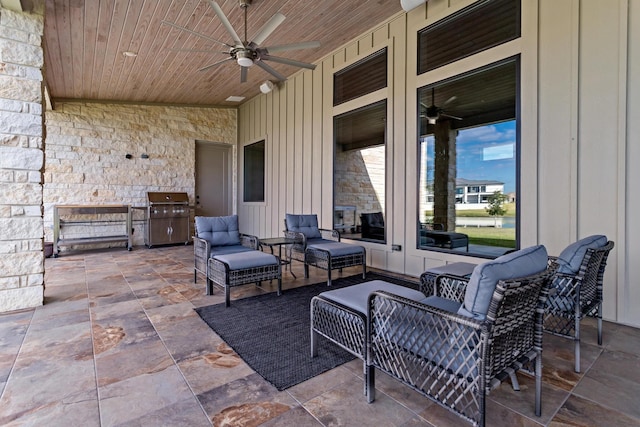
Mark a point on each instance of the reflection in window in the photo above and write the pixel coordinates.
(468, 161)
(363, 77)
(359, 172)
(254, 164)
(459, 35)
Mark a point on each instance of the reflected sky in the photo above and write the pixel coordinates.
(488, 153)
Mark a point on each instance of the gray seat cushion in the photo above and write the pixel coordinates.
(571, 257)
(485, 277)
(224, 250)
(336, 249)
(356, 297)
(442, 303)
(219, 230)
(249, 259)
(305, 224)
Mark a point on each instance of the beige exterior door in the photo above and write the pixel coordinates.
(213, 179)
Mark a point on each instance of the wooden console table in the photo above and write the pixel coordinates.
(92, 213)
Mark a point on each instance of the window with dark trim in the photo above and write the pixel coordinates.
(363, 77)
(481, 26)
(254, 171)
(468, 174)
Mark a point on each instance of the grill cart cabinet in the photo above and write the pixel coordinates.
(167, 219)
(75, 225)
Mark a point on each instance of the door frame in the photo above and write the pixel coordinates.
(231, 164)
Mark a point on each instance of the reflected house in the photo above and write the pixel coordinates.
(473, 192)
(470, 191)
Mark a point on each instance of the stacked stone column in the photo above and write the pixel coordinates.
(21, 158)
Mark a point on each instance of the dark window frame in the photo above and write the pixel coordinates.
(361, 78)
(459, 38)
(254, 157)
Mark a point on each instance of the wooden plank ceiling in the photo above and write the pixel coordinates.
(85, 41)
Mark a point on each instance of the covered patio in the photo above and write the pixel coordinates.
(104, 336)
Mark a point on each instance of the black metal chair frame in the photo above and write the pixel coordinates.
(573, 297)
(455, 360)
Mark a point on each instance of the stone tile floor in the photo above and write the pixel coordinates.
(118, 343)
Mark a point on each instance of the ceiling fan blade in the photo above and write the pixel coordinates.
(243, 74)
(197, 50)
(214, 64)
(453, 98)
(450, 116)
(292, 46)
(194, 33)
(288, 61)
(267, 29)
(271, 71)
(223, 18)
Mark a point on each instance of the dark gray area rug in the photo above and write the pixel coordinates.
(271, 333)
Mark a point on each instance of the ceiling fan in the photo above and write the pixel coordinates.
(433, 113)
(246, 53)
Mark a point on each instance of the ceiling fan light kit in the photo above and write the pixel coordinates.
(244, 58)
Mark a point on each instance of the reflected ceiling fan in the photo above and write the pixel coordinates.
(247, 53)
(433, 113)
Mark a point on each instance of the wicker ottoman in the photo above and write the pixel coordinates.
(333, 256)
(340, 315)
(242, 268)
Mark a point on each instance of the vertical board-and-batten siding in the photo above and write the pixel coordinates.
(296, 120)
(629, 268)
(579, 95)
(582, 119)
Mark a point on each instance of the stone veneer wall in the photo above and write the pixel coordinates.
(87, 144)
(21, 158)
(360, 180)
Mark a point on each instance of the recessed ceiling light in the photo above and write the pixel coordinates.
(129, 54)
(235, 98)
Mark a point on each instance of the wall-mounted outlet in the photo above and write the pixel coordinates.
(396, 248)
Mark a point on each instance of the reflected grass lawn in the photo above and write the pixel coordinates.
(490, 236)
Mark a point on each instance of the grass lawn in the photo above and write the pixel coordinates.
(490, 236)
(480, 213)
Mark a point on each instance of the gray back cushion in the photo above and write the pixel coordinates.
(571, 257)
(485, 277)
(218, 230)
(305, 224)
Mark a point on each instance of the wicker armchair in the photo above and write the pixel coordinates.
(320, 247)
(575, 295)
(452, 358)
(212, 238)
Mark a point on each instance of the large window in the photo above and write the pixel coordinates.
(468, 161)
(254, 162)
(359, 152)
(359, 172)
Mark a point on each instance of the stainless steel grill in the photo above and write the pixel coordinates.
(167, 218)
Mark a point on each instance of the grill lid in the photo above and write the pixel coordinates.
(157, 197)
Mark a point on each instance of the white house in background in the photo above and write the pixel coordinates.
(469, 191)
